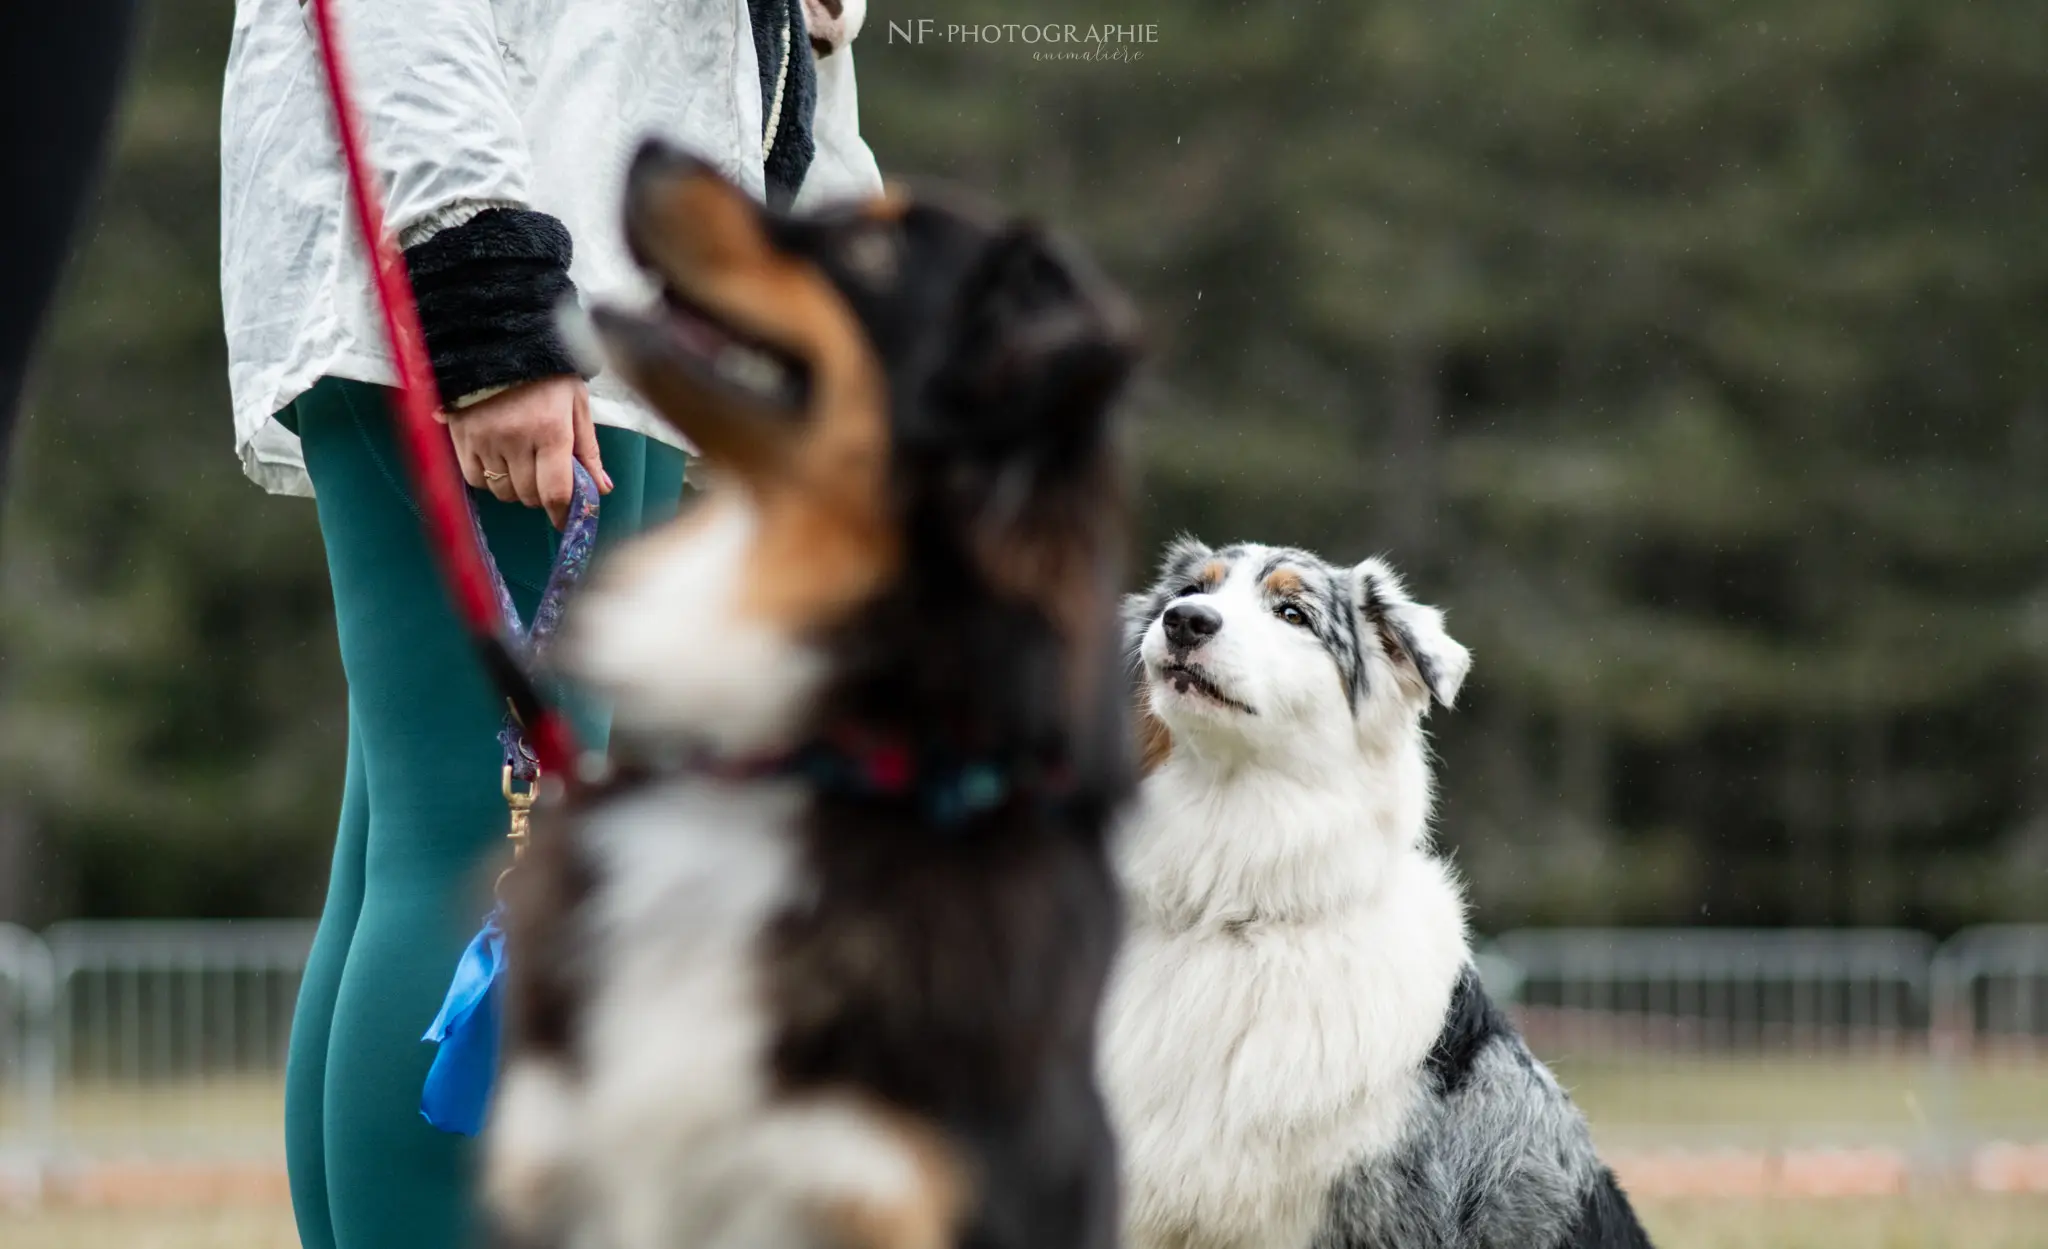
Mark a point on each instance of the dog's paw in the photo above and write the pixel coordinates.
(921, 1220)
(528, 1146)
(909, 1194)
(834, 1173)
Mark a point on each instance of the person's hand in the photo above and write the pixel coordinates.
(518, 444)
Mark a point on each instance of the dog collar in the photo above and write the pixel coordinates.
(949, 789)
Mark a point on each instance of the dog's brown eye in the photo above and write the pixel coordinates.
(1291, 614)
(1186, 590)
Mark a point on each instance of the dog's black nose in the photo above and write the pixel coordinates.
(1188, 625)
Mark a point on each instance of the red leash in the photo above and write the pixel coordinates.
(436, 479)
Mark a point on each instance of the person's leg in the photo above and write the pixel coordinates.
(625, 456)
(305, 1072)
(428, 721)
(663, 484)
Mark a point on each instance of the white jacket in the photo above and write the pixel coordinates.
(468, 104)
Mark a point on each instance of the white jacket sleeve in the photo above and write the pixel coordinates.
(431, 89)
(843, 167)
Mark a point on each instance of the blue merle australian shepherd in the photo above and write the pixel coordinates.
(1297, 1051)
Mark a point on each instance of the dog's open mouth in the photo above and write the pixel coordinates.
(1185, 678)
(715, 352)
(734, 359)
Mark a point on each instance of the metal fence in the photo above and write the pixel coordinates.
(1791, 1039)
(145, 1040)
(149, 1040)
(1722, 991)
(1989, 990)
(27, 1083)
(160, 1003)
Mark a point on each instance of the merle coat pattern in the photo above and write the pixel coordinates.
(1297, 1050)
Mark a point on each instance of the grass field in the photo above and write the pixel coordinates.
(240, 1115)
(1948, 1223)
(1951, 1223)
(1842, 1101)
(1633, 1104)
(235, 1227)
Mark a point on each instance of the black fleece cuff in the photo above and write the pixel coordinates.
(487, 291)
(792, 146)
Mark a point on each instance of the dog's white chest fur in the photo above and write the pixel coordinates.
(1291, 952)
(675, 1029)
(673, 1134)
(676, 1032)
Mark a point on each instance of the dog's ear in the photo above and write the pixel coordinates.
(1042, 346)
(1413, 633)
(1182, 556)
(1181, 563)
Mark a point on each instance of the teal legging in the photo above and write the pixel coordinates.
(422, 823)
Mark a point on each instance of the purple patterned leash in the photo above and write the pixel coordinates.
(457, 1093)
(572, 556)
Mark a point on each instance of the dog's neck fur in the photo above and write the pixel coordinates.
(1231, 835)
(1291, 954)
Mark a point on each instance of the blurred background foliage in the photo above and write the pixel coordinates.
(1690, 353)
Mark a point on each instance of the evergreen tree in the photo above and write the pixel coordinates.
(1689, 353)
(172, 719)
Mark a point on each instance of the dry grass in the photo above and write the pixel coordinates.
(227, 1227)
(1857, 1101)
(1845, 1101)
(1904, 1223)
(1630, 1100)
(1852, 1101)
(243, 1116)
(1945, 1223)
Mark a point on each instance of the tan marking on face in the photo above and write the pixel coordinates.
(819, 479)
(890, 205)
(694, 222)
(1212, 573)
(1284, 583)
(814, 559)
(927, 1217)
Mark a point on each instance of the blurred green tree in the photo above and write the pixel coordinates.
(172, 719)
(1690, 353)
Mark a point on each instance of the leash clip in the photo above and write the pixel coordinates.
(519, 806)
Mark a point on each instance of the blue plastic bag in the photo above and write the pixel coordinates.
(457, 1095)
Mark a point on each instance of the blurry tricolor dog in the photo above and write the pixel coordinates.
(821, 965)
(1297, 1049)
